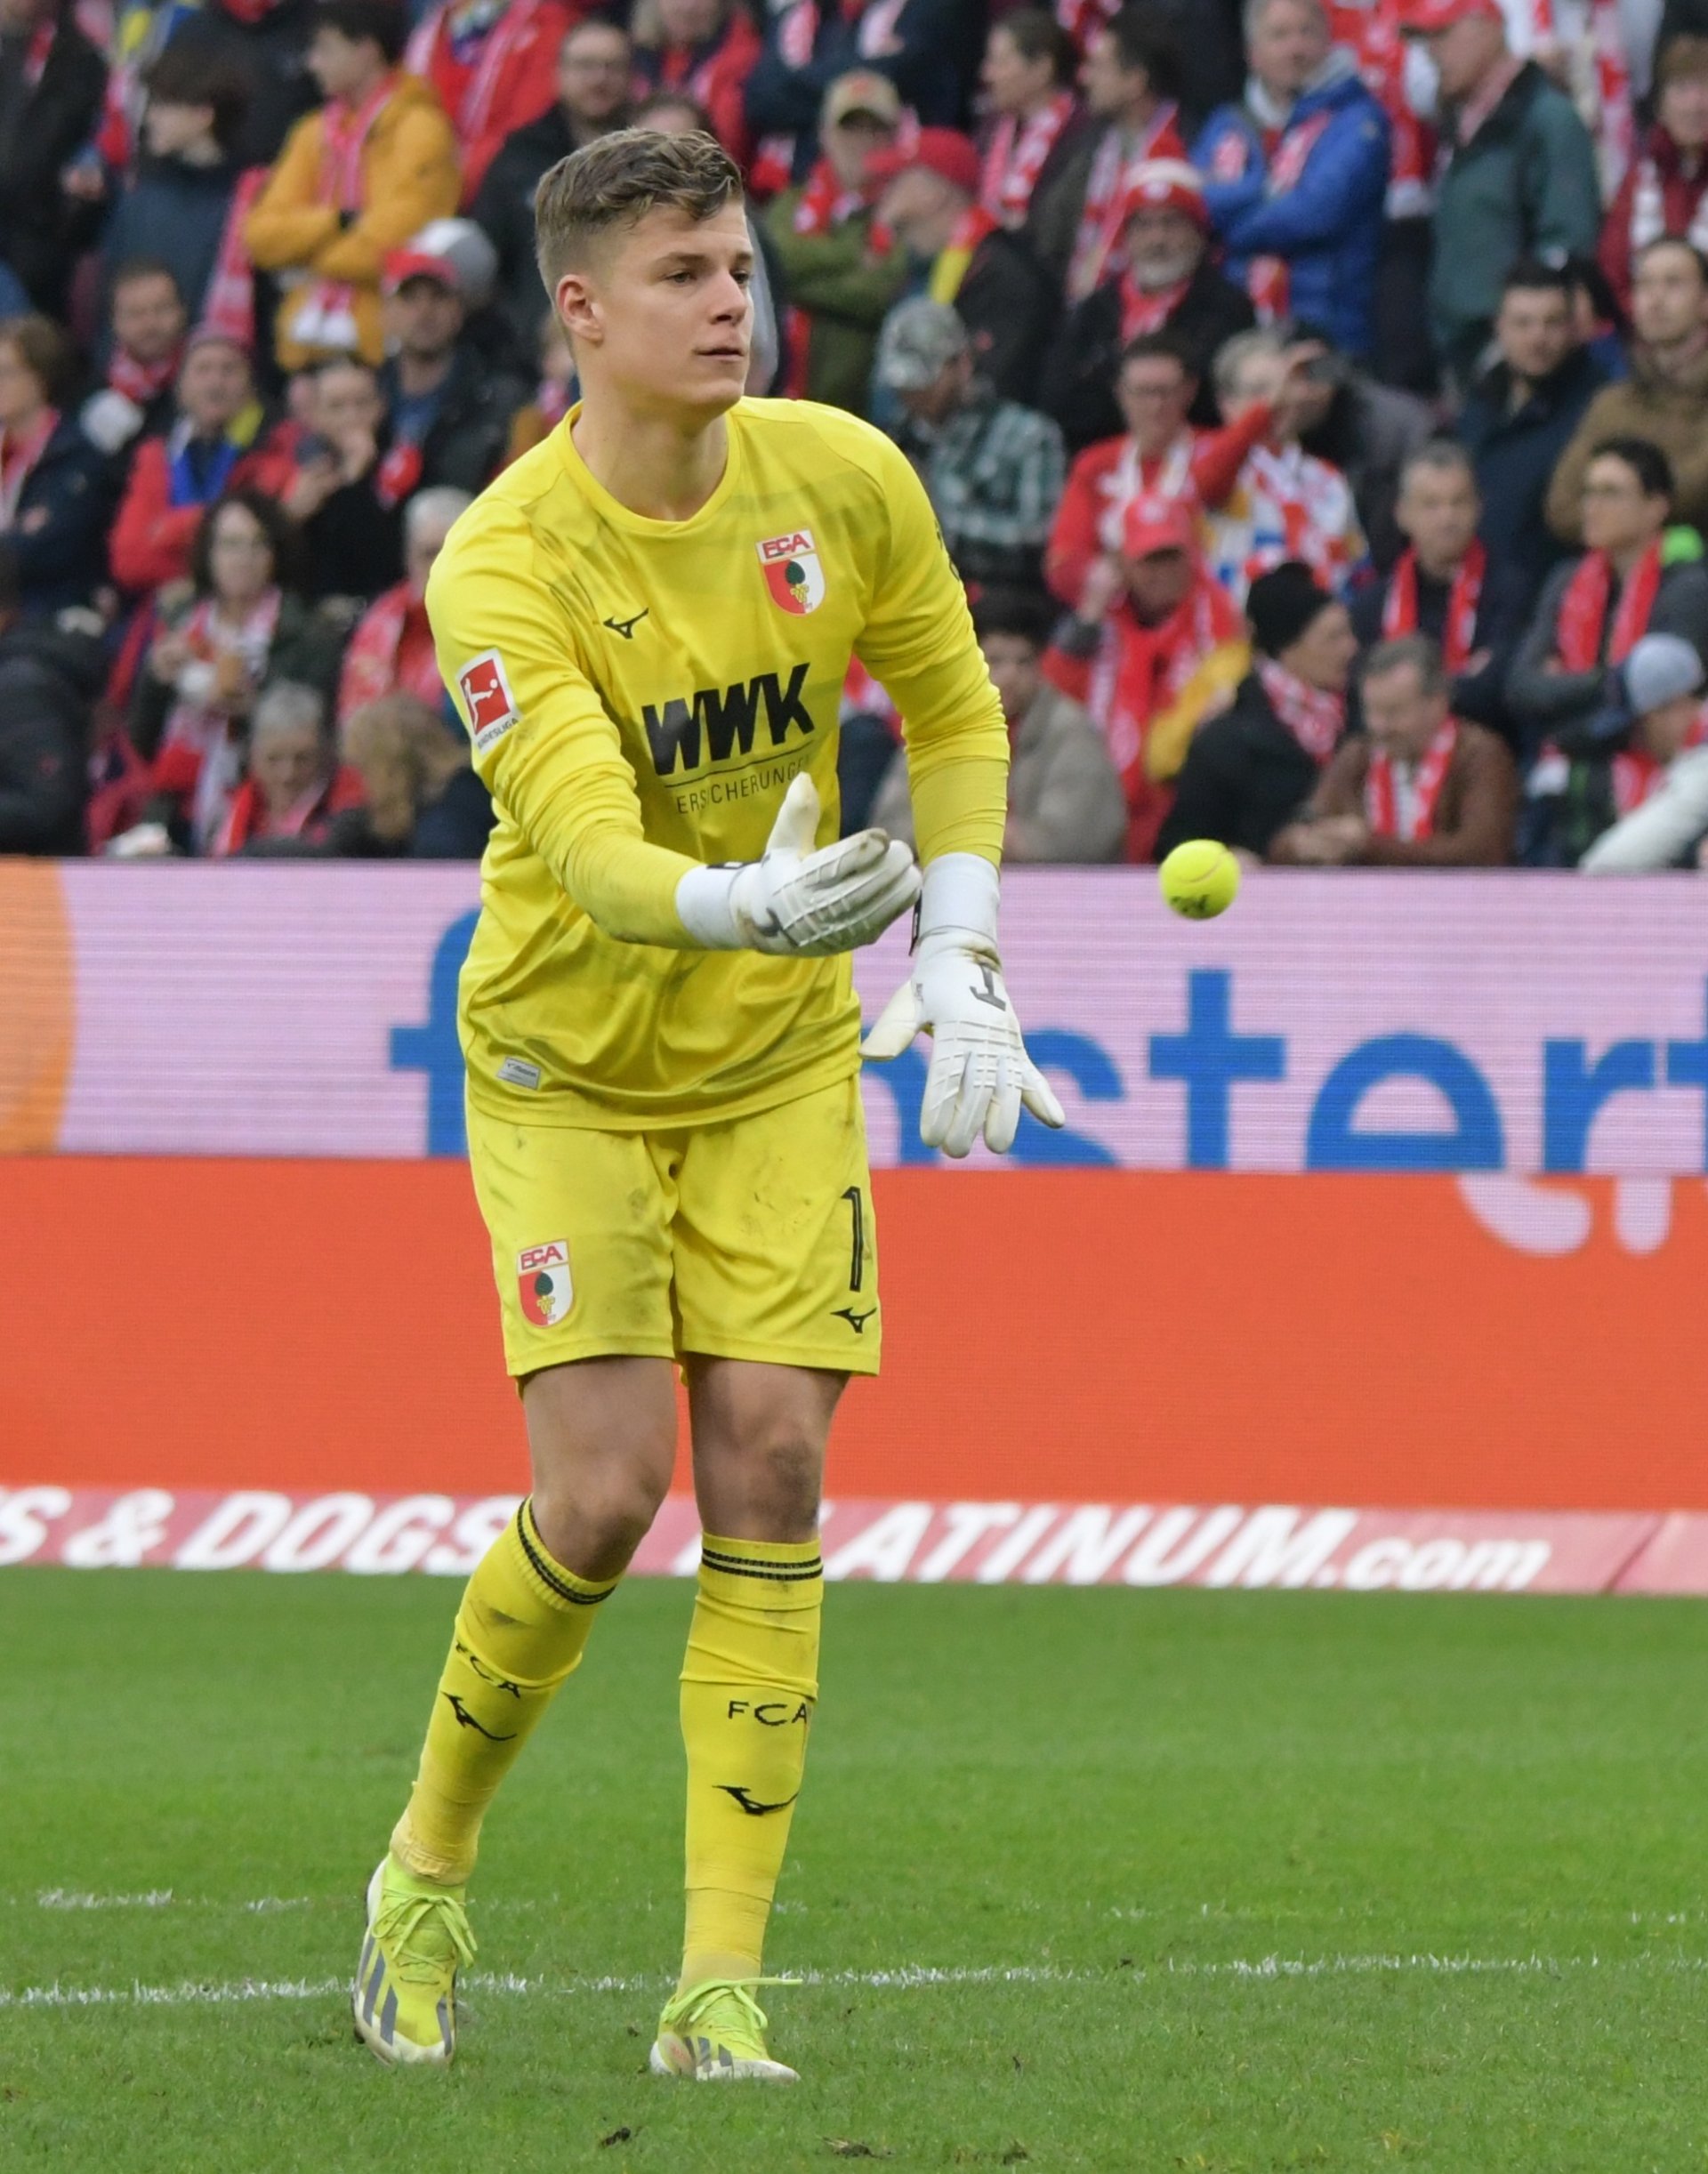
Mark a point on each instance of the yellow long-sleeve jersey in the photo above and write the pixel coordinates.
(641, 694)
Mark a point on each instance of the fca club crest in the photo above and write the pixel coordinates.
(543, 1279)
(792, 572)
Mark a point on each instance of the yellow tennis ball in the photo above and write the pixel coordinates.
(1199, 879)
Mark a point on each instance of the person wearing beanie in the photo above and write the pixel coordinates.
(1161, 278)
(1418, 787)
(959, 254)
(1249, 770)
(1651, 789)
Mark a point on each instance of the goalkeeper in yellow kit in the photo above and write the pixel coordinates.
(647, 623)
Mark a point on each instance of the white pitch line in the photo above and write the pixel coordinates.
(905, 1978)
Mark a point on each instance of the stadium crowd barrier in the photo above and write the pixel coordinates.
(1383, 1192)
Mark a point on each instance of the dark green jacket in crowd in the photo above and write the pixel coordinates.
(844, 296)
(1525, 185)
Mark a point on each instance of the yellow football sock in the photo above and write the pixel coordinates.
(750, 1682)
(519, 1631)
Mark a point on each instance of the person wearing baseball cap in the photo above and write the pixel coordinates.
(1520, 179)
(839, 283)
(958, 253)
(448, 409)
(1251, 767)
(1155, 647)
(991, 469)
(1165, 279)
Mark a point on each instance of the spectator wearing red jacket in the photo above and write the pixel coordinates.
(1665, 191)
(1154, 647)
(492, 63)
(706, 49)
(218, 444)
(1159, 454)
(391, 649)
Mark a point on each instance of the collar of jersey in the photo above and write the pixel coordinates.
(620, 516)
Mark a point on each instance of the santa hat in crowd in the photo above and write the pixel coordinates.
(1168, 185)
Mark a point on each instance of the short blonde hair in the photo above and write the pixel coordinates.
(615, 180)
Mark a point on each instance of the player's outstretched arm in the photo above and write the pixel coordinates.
(798, 901)
(980, 1077)
(553, 757)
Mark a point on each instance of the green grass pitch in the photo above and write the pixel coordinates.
(1283, 1880)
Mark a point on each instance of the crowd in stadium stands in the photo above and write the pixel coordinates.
(1313, 396)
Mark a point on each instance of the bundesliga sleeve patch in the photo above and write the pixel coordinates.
(542, 1282)
(793, 572)
(486, 696)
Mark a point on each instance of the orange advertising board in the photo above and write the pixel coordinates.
(1089, 1336)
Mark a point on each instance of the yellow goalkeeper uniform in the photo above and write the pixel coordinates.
(666, 1141)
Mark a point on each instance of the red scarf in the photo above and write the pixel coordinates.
(1080, 19)
(141, 381)
(825, 204)
(327, 319)
(1141, 672)
(1314, 717)
(246, 818)
(1106, 193)
(20, 458)
(1147, 309)
(1268, 280)
(228, 305)
(1459, 638)
(1015, 158)
(1637, 774)
(1583, 610)
(391, 647)
(1399, 805)
(468, 82)
(1371, 30)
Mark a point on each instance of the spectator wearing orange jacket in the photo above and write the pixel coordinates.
(354, 181)
(1154, 647)
(492, 63)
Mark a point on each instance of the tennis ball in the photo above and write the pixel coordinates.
(1199, 879)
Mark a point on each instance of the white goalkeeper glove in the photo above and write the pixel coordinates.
(802, 903)
(980, 1075)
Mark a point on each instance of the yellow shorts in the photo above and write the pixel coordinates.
(749, 1240)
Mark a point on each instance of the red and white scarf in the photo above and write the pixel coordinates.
(825, 204)
(1164, 475)
(468, 81)
(1400, 798)
(142, 381)
(1583, 610)
(1372, 34)
(1082, 18)
(1600, 73)
(20, 458)
(1648, 212)
(1148, 309)
(1314, 717)
(1459, 636)
(1016, 155)
(228, 305)
(1140, 672)
(1268, 279)
(1107, 190)
(327, 319)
